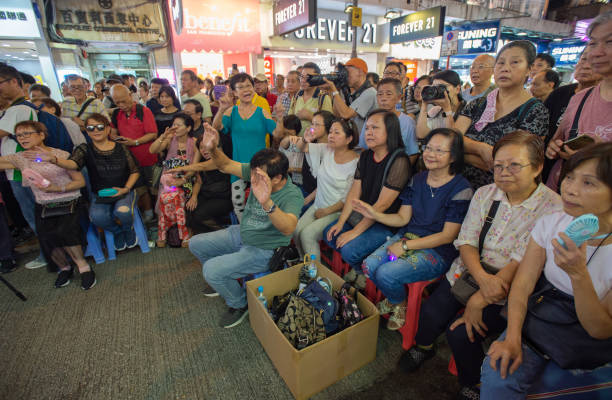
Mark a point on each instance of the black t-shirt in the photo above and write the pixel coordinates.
(216, 184)
(370, 173)
(556, 103)
(106, 168)
(197, 133)
(309, 182)
(164, 120)
(155, 107)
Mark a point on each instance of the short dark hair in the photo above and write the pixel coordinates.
(547, 58)
(38, 127)
(374, 77)
(49, 102)
(27, 78)
(456, 150)
(423, 77)
(312, 65)
(192, 75)
(527, 47)
(292, 122)
(449, 76)
(394, 64)
(392, 126)
(10, 72)
(349, 127)
(293, 72)
(98, 118)
(186, 119)
(200, 81)
(533, 143)
(160, 81)
(239, 78)
(602, 152)
(276, 163)
(41, 88)
(552, 76)
(328, 118)
(169, 91)
(397, 84)
(196, 104)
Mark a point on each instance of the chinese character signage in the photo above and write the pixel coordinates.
(471, 38)
(566, 53)
(418, 25)
(230, 26)
(17, 20)
(133, 21)
(290, 15)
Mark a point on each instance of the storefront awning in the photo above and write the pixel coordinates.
(226, 26)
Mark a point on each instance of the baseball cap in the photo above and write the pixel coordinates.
(261, 78)
(357, 63)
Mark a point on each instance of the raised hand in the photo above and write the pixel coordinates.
(210, 139)
(38, 154)
(261, 186)
(225, 102)
(309, 135)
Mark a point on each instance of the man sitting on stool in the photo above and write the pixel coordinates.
(269, 219)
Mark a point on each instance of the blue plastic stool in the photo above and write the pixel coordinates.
(141, 234)
(94, 246)
(250, 277)
(234, 219)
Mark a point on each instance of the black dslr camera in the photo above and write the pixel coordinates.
(433, 92)
(339, 78)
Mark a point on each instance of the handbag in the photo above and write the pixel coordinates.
(553, 330)
(302, 324)
(466, 285)
(58, 209)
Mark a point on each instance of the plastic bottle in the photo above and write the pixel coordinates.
(312, 268)
(261, 297)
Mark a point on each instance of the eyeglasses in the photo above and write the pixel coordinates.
(5, 80)
(24, 135)
(76, 87)
(513, 168)
(244, 87)
(479, 67)
(390, 73)
(437, 152)
(99, 127)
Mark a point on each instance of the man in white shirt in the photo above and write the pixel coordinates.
(191, 90)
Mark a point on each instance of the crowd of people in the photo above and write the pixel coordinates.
(467, 185)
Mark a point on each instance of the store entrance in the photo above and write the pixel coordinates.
(105, 64)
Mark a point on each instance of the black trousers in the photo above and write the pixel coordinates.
(6, 239)
(438, 312)
(209, 214)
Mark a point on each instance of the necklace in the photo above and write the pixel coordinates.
(433, 194)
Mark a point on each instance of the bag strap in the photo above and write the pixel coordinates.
(574, 130)
(487, 224)
(114, 117)
(84, 106)
(388, 166)
(526, 107)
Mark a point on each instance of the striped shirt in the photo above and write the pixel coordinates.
(70, 108)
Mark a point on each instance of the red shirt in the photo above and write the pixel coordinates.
(133, 128)
(271, 97)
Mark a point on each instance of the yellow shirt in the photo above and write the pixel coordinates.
(259, 102)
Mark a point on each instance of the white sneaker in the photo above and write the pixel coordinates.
(36, 263)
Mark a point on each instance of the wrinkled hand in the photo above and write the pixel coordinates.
(261, 186)
(295, 140)
(38, 153)
(364, 209)
(309, 135)
(396, 249)
(192, 203)
(333, 231)
(571, 260)
(279, 110)
(345, 238)
(49, 189)
(225, 102)
(493, 288)
(320, 213)
(304, 114)
(126, 141)
(329, 86)
(485, 151)
(120, 191)
(210, 139)
(472, 318)
(506, 351)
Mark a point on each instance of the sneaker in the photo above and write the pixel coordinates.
(469, 393)
(350, 276)
(209, 291)
(120, 243)
(63, 278)
(131, 239)
(397, 318)
(360, 282)
(233, 317)
(88, 280)
(37, 263)
(384, 307)
(7, 266)
(411, 360)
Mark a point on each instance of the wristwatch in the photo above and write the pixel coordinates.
(405, 244)
(136, 142)
(335, 93)
(271, 210)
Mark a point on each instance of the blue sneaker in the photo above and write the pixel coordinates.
(120, 243)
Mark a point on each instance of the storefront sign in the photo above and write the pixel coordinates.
(419, 25)
(17, 20)
(337, 30)
(231, 26)
(269, 69)
(471, 38)
(566, 53)
(133, 21)
(425, 49)
(290, 15)
(580, 29)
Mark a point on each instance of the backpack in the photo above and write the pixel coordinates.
(302, 324)
(173, 238)
(324, 302)
(283, 257)
(349, 313)
(139, 114)
(58, 136)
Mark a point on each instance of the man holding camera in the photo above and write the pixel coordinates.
(310, 99)
(362, 96)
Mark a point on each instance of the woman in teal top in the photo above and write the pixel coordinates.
(249, 127)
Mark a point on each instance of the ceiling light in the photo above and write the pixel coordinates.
(6, 45)
(291, 48)
(557, 39)
(521, 34)
(392, 13)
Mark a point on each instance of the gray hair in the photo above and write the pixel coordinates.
(600, 20)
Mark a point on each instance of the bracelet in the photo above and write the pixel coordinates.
(335, 93)
(136, 142)
(271, 210)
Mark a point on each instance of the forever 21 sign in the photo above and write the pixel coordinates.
(290, 15)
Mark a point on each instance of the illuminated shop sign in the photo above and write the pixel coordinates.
(565, 54)
(471, 38)
(337, 30)
(290, 15)
(419, 25)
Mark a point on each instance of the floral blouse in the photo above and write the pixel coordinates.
(509, 234)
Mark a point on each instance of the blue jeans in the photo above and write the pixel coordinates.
(391, 276)
(104, 215)
(516, 385)
(362, 246)
(225, 258)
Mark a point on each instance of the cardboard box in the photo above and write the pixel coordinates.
(310, 370)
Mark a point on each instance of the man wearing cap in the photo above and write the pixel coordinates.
(310, 99)
(362, 97)
(261, 88)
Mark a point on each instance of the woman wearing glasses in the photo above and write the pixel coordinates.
(110, 165)
(434, 204)
(58, 206)
(511, 205)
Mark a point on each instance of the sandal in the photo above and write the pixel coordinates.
(160, 243)
(384, 307)
(185, 243)
(397, 318)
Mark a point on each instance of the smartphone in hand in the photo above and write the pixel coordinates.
(579, 142)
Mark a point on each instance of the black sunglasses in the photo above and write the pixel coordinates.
(99, 127)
